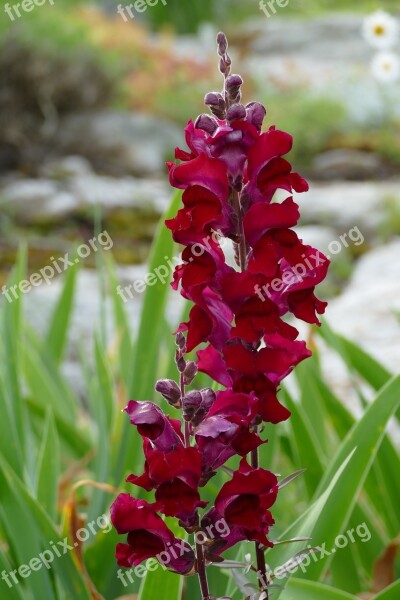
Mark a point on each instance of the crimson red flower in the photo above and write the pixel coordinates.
(208, 173)
(245, 499)
(203, 212)
(148, 536)
(260, 218)
(267, 171)
(257, 317)
(176, 477)
(209, 320)
(203, 265)
(269, 408)
(226, 430)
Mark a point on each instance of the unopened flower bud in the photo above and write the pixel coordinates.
(255, 113)
(190, 403)
(223, 67)
(216, 103)
(233, 84)
(222, 43)
(214, 99)
(190, 372)
(170, 390)
(196, 405)
(236, 112)
(180, 361)
(180, 341)
(206, 123)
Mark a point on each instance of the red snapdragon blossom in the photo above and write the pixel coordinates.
(238, 326)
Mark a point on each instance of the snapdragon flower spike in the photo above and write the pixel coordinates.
(239, 314)
(238, 325)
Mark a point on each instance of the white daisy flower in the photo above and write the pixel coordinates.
(385, 67)
(381, 30)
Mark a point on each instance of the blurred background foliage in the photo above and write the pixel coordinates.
(83, 56)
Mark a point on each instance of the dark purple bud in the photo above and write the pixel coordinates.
(180, 361)
(190, 372)
(215, 100)
(206, 123)
(236, 112)
(190, 404)
(222, 43)
(233, 84)
(180, 341)
(255, 114)
(170, 390)
(216, 103)
(223, 67)
(196, 405)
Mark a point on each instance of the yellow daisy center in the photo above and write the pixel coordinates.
(379, 30)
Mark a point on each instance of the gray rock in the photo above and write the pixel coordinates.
(119, 143)
(65, 167)
(348, 164)
(344, 205)
(317, 236)
(32, 201)
(35, 200)
(368, 312)
(333, 37)
(112, 193)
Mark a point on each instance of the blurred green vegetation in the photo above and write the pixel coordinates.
(185, 17)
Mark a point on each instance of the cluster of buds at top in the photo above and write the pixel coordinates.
(224, 105)
(237, 325)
